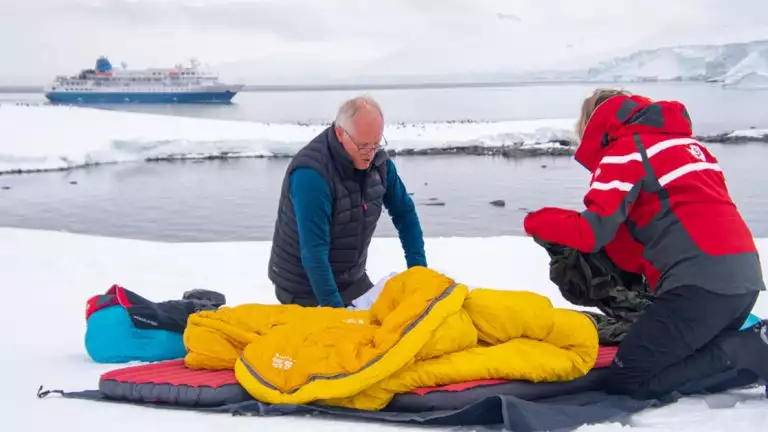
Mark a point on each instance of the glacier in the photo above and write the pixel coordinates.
(742, 64)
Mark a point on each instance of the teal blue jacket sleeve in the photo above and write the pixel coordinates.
(403, 213)
(312, 204)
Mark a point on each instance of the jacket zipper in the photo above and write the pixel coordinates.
(365, 209)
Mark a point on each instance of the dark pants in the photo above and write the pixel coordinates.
(675, 342)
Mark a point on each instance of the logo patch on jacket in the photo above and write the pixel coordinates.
(697, 153)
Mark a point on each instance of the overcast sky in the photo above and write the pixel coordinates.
(326, 38)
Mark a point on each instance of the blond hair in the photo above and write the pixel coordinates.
(591, 103)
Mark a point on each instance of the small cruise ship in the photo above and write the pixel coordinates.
(104, 84)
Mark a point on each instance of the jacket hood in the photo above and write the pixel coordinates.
(628, 115)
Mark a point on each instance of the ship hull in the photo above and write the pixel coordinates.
(141, 97)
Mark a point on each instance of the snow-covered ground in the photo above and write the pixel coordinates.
(40, 137)
(48, 276)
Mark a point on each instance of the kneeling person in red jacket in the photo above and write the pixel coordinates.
(659, 205)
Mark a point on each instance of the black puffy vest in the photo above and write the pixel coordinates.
(357, 199)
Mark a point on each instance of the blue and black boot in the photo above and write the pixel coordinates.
(748, 350)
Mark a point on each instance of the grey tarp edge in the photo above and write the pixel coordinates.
(508, 411)
(558, 413)
(449, 400)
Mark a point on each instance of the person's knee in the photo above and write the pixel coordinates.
(618, 380)
(629, 379)
(618, 384)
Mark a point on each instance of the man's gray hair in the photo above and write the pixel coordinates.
(350, 108)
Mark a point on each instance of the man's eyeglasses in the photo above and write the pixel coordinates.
(367, 147)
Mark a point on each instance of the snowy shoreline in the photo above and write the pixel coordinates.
(41, 138)
(737, 137)
(514, 151)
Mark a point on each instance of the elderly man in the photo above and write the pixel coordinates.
(331, 199)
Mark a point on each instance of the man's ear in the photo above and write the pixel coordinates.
(339, 132)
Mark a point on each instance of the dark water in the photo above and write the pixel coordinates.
(236, 199)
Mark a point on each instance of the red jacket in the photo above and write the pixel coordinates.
(657, 202)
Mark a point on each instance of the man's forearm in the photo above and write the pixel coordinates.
(321, 278)
(412, 239)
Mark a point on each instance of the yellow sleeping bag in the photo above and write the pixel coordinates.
(424, 330)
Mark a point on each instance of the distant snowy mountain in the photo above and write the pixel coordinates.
(730, 64)
(269, 42)
(734, 65)
(739, 65)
